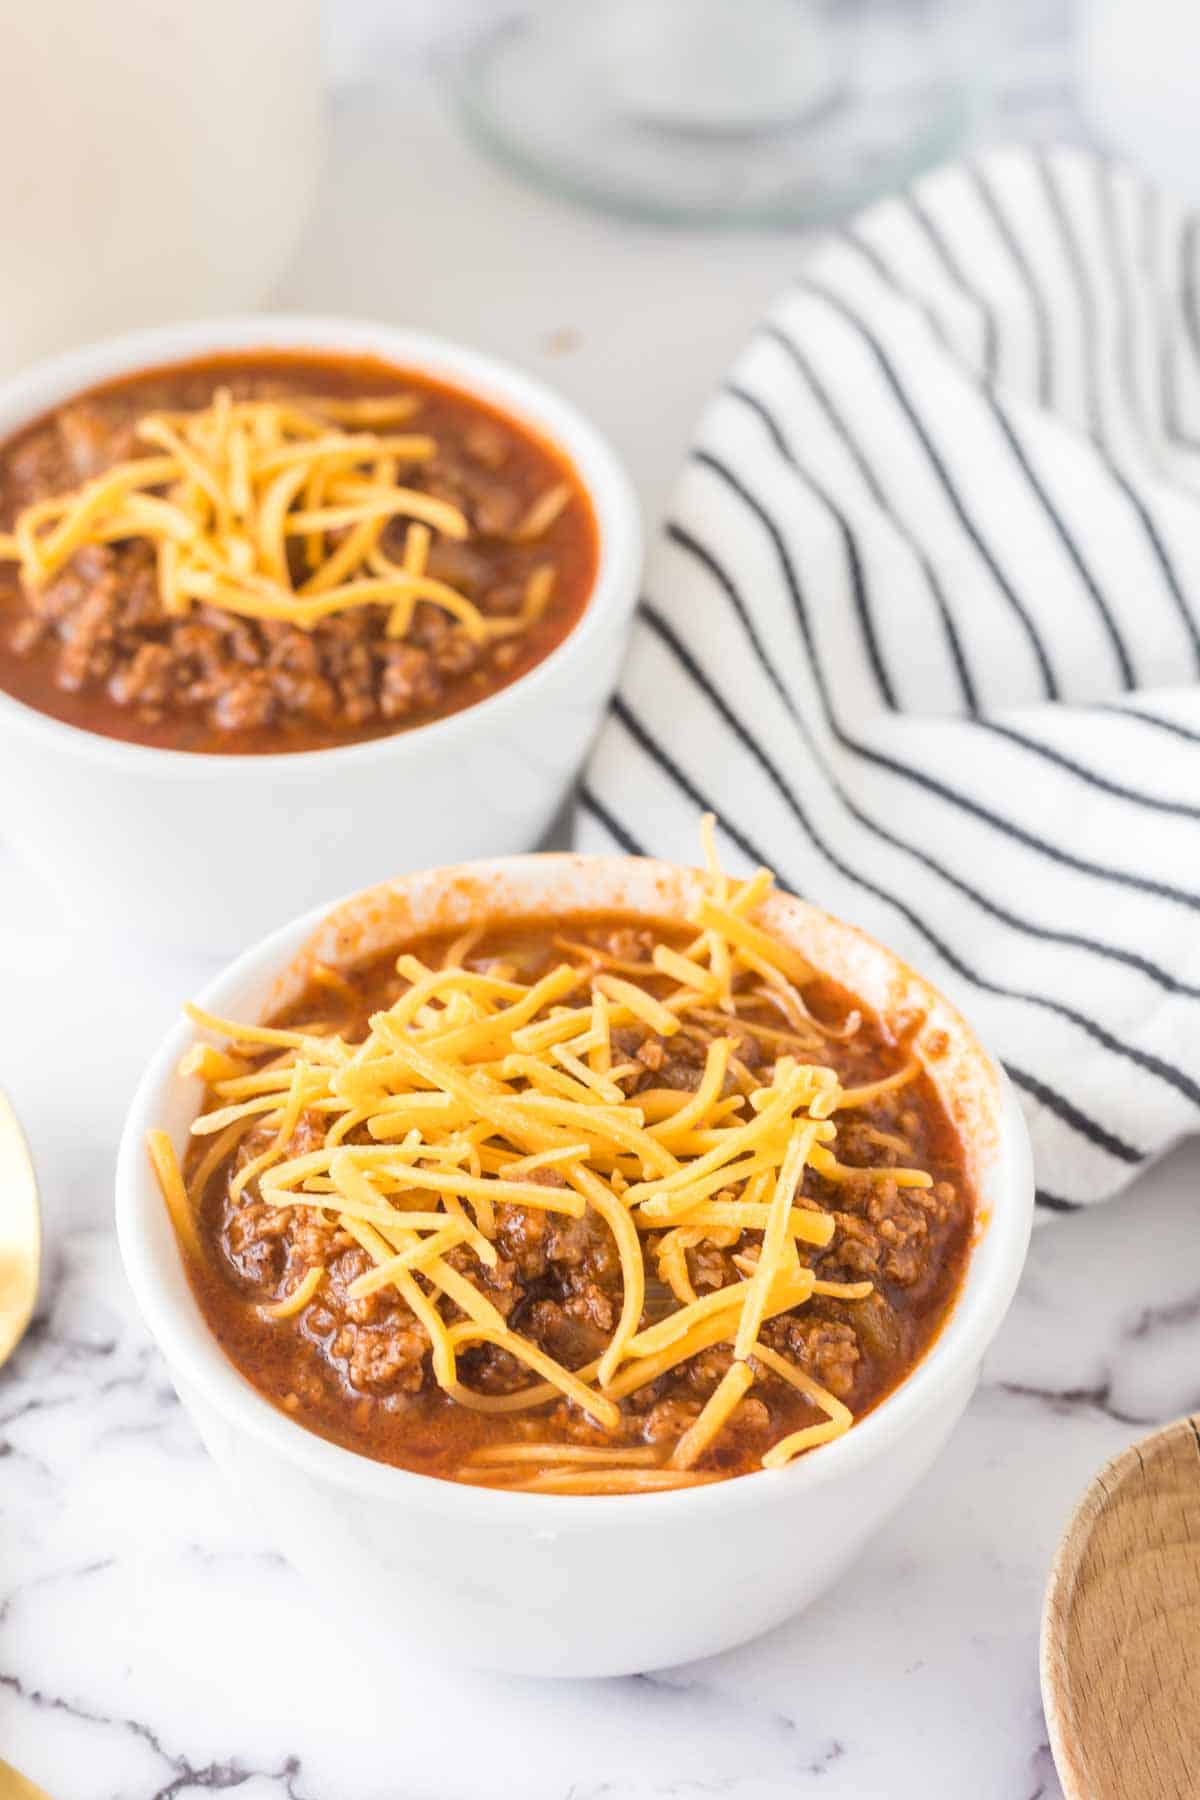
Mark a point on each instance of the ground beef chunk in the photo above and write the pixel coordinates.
(409, 682)
(682, 1063)
(574, 1300)
(244, 702)
(492, 1370)
(583, 1245)
(315, 1239)
(522, 1234)
(574, 1331)
(500, 1283)
(458, 564)
(145, 680)
(674, 1062)
(751, 1416)
(497, 510)
(255, 1242)
(828, 1351)
(857, 1247)
(487, 444)
(709, 1268)
(631, 943)
(892, 1233)
(382, 1361)
(669, 1419)
(903, 1229)
(27, 634)
(705, 1371)
(87, 637)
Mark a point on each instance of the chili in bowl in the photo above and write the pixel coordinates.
(270, 585)
(540, 1233)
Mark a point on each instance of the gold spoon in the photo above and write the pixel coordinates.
(20, 1234)
(1121, 1628)
(20, 1259)
(18, 1787)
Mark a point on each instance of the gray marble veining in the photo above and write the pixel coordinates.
(153, 1644)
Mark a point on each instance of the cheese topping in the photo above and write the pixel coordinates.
(475, 1091)
(238, 482)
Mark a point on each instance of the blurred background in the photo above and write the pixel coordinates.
(598, 192)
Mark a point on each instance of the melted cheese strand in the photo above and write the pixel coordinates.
(596, 1406)
(723, 1300)
(738, 931)
(416, 1256)
(298, 1299)
(840, 1418)
(774, 1239)
(612, 1481)
(672, 1263)
(633, 1270)
(564, 1453)
(701, 1103)
(170, 1180)
(862, 1096)
(715, 1413)
(637, 1001)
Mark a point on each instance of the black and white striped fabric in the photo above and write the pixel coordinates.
(923, 630)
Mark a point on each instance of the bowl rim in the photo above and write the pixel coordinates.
(995, 1261)
(532, 402)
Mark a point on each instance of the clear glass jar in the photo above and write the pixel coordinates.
(730, 111)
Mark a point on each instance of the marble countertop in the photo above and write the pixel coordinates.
(151, 1642)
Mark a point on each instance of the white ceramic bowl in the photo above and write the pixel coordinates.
(211, 851)
(572, 1585)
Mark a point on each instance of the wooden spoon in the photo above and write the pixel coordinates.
(1121, 1628)
(20, 1233)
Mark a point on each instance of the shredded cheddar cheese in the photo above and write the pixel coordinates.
(298, 1299)
(170, 1180)
(234, 483)
(730, 1389)
(475, 1091)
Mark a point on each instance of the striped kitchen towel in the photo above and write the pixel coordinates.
(922, 628)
